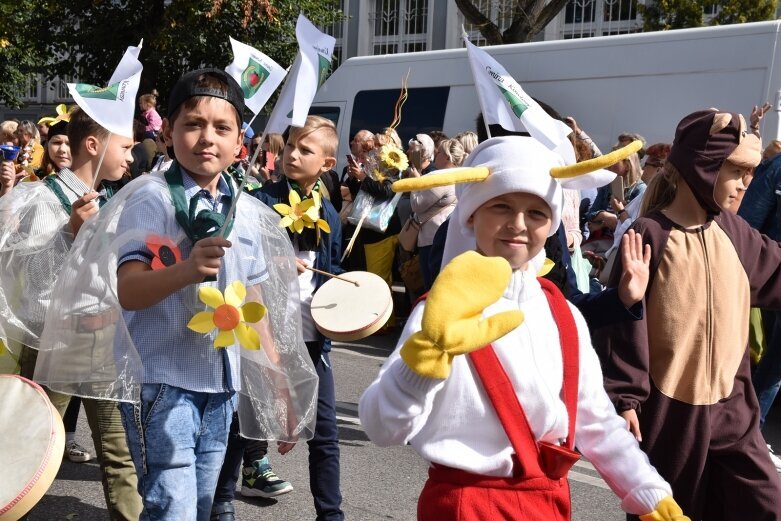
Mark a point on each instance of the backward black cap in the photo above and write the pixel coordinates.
(187, 87)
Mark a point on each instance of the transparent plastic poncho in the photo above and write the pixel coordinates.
(35, 239)
(87, 350)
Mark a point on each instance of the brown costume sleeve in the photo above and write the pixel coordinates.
(761, 258)
(623, 347)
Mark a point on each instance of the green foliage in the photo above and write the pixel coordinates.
(662, 15)
(86, 38)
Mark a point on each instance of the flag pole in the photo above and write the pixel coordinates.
(465, 36)
(100, 162)
(223, 231)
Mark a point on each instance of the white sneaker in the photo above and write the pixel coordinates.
(775, 459)
(78, 454)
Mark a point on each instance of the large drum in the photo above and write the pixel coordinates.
(347, 311)
(32, 443)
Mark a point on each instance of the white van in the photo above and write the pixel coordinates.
(642, 83)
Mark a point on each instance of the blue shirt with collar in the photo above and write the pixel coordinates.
(170, 352)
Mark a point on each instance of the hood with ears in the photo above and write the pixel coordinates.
(704, 140)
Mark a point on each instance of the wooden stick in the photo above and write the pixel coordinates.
(331, 275)
(321, 272)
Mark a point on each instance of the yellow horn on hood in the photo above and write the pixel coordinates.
(585, 167)
(445, 177)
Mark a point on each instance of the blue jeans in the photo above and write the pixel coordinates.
(177, 440)
(767, 374)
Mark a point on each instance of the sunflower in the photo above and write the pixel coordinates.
(229, 316)
(393, 158)
(301, 214)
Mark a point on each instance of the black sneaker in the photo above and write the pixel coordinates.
(223, 512)
(260, 481)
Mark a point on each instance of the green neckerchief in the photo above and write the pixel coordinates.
(51, 181)
(54, 186)
(207, 223)
(295, 186)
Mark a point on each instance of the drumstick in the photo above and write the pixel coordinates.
(321, 272)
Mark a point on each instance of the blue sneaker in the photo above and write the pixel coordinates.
(260, 481)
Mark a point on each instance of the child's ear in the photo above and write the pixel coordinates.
(328, 164)
(92, 145)
(167, 131)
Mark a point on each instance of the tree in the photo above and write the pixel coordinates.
(86, 38)
(529, 17)
(662, 15)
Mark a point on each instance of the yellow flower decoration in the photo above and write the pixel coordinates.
(301, 214)
(229, 316)
(392, 157)
(63, 114)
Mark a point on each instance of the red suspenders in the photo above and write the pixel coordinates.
(536, 459)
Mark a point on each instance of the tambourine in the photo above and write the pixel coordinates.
(33, 441)
(353, 306)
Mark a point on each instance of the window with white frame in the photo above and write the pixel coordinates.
(337, 30)
(31, 90)
(585, 18)
(399, 26)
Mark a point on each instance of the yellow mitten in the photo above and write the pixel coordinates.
(452, 321)
(666, 510)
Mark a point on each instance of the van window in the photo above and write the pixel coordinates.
(331, 113)
(423, 111)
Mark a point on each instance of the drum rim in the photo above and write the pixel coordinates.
(45, 469)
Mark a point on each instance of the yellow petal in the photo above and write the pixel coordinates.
(248, 338)
(282, 208)
(253, 311)
(224, 339)
(313, 213)
(202, 322)
(316, 198)
(546, 267)
(323, 225)
(211, 296)
(305, 205)
(286, 221)
(294, 198)
(61, 109)
(298, 226)
(235, 294)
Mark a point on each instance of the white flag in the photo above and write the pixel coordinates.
(258, 75)
(308, 72)
(504, 103)
(113, 106)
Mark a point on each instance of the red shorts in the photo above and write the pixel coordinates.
(455, 495)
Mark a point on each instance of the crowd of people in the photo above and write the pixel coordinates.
(616, 316)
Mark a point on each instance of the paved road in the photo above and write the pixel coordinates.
(377, 484)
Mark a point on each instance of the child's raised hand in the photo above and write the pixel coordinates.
(205, 259)
(636, 260)
(82, 209)
(453, 322)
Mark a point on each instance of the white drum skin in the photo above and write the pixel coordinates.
(33, 441)
(345, 312)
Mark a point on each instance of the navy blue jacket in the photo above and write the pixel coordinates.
(330, 250)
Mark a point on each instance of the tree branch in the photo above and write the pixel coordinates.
(487, 28)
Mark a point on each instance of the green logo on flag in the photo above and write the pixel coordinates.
(518, 107)
(324, 69)
(253, 77)
(93, 91)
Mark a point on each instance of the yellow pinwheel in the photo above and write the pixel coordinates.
(63, 114)
(230, 316)
(301, 214)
